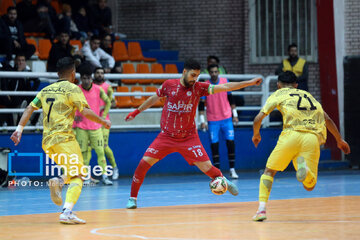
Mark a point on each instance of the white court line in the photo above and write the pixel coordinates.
(95, 230)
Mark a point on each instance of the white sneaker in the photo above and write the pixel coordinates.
(55, 190)
(70, 218)
(233, 174)
(106, 180)
(115, 175)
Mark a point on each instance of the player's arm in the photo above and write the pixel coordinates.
(148, 103)
(89, 114)
(231, 86)
(341, 143)
(256, 128)
(233, 107)
(107, 101)
(16, 136)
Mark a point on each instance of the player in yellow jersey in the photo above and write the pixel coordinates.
(59, 102)
(304, 130)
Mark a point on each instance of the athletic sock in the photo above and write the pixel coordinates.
(214, 172)
(138, 177)
(110, 156)
(73, 192)
(265, 187)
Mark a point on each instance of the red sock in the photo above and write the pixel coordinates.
(214, 172)
(138, 177)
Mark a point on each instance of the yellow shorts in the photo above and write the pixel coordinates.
(290, 146)
(67, 155)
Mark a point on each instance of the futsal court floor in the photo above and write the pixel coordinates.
(182, 207)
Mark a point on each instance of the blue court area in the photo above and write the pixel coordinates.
(177, 190)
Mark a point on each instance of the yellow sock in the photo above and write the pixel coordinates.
(265, 187)
(74, 190)
(110, 156)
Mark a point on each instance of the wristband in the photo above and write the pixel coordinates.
(19, 128)
(202, 118)
(234, 113)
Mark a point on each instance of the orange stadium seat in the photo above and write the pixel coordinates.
(159, 103)
(57, 6)
(123, 101)
(76, 43)
(137, 100)
(32, 41)
(44, 48)
(143, 68)
(4, 4)
(135, 53)
(171, 68)
(157, 68)
(120, 52)
(128, 68)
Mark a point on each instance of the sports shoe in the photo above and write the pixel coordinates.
(70, 218)
(115, 175)
(232, 188)
(259, 216)
(131, 203)
(55, 190)
(302, 169)
(95, 181)
(106, 180)
(233, 174)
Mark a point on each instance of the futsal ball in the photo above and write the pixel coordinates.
(218, 186)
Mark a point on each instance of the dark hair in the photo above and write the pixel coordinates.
(95, 37)
(291, 46)
(212, 66)
(213, 57)
(20, 54)
(10, 8)
(86, 70)
(98, 69)
(287, 77)
(65, 64)
(192, 64)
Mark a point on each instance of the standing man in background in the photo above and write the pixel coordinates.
(99, 80)
(296, 65)
(221, 114)
(214, 60)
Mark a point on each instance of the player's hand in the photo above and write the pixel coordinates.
(256, 139)
(107, 124)
(235, 120)
(203, 126)
(16, 137)
(344, 146)
(132, 115)
(256, 81)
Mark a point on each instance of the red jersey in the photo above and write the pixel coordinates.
(178, 115)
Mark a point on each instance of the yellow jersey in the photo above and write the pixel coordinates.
(59, 102)
(300, 110)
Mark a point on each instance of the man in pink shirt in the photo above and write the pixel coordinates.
(178, 129)
(220, 114)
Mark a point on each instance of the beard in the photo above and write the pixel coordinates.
(187, 83)
(99, 80)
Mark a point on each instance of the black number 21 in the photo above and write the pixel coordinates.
(312, 107)
(52, 100)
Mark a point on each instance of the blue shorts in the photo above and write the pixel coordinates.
(225, 126)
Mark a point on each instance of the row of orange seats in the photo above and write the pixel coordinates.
(134, 101)
(4, 4)
(143, 68)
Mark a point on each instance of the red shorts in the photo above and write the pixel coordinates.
(189, 147)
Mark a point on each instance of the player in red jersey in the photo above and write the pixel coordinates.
(178, 129)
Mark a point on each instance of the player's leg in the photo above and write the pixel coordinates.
(158, 149)
(228, 129)
(214, 129)
(82, 137)
(109, 153)
(144, 165)
(69, 156)
(97, 143)
(285, 150)
(307, 160)
(194, 153)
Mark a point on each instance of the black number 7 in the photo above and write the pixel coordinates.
(52, 100)
(312, 107)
